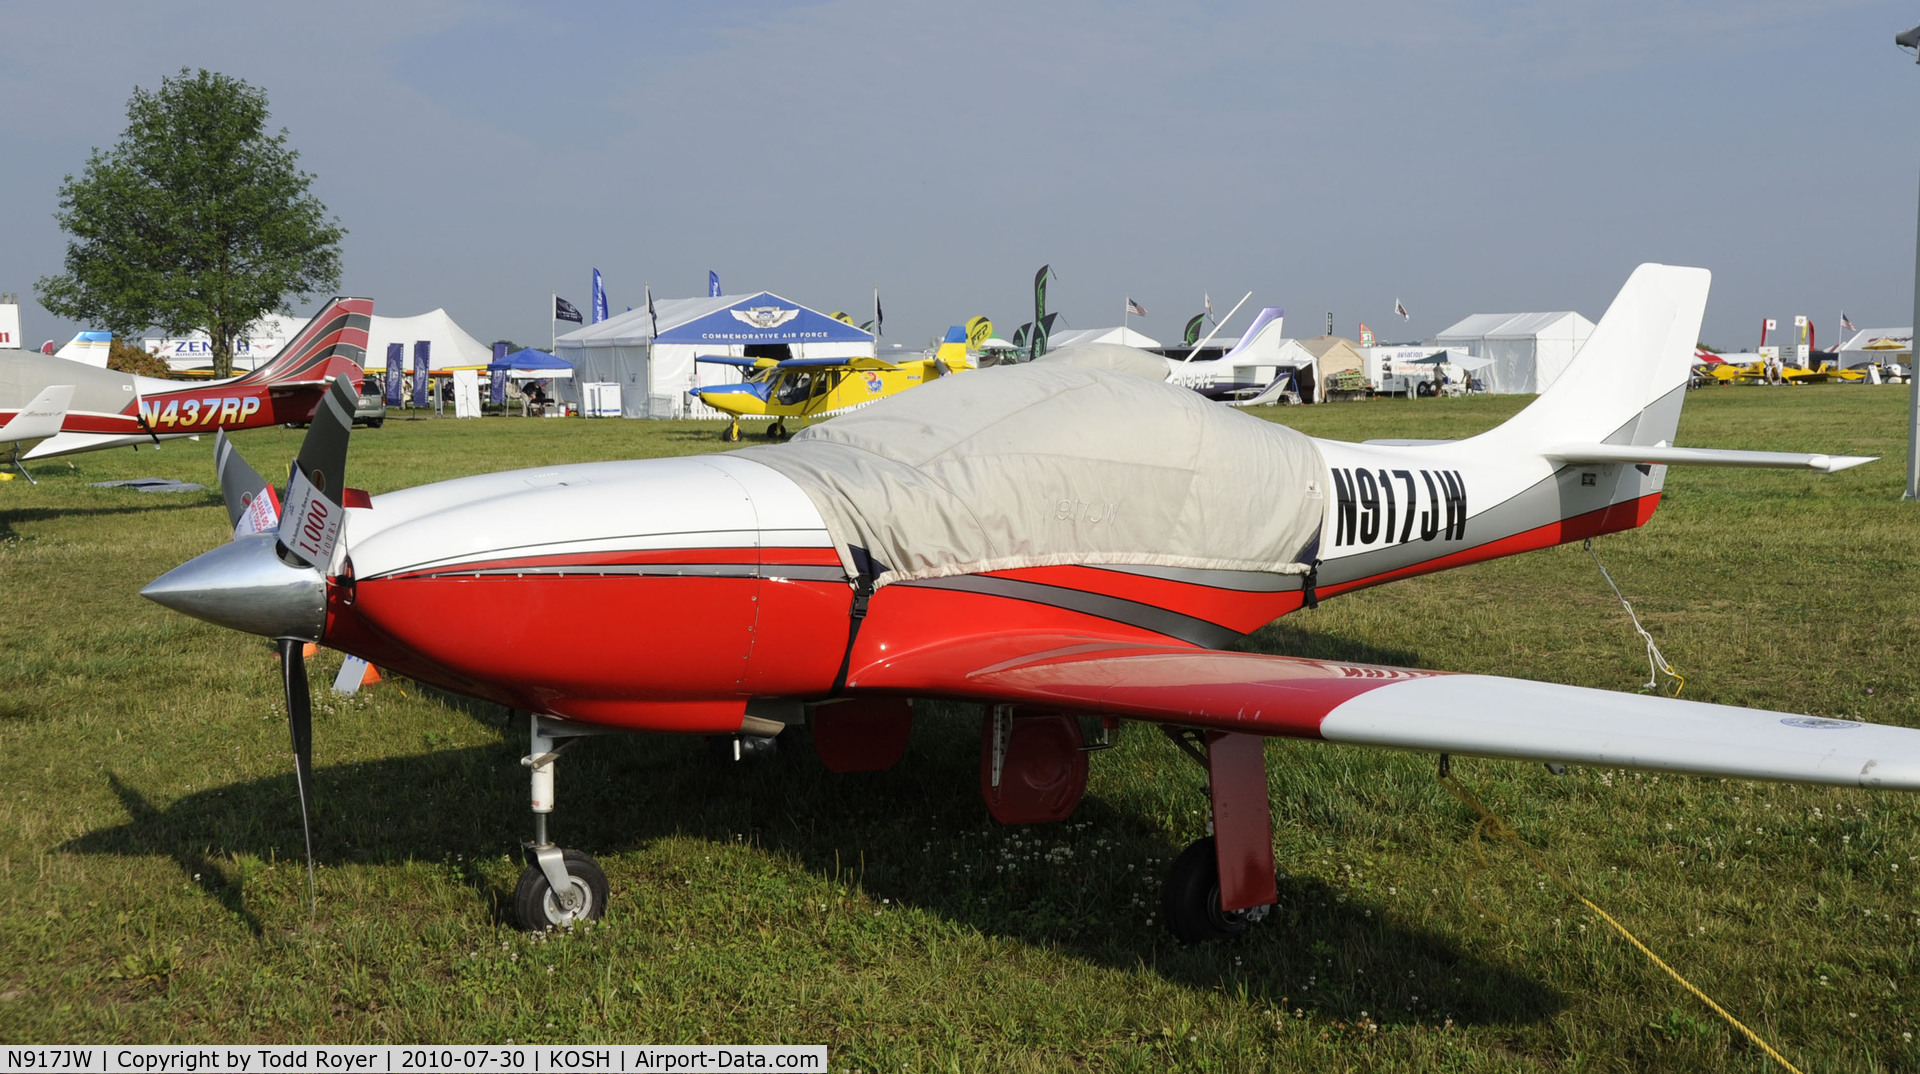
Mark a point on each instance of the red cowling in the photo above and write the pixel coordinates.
(1043, 773)
(865, 734)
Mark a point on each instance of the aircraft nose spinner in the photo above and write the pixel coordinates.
(245, 585)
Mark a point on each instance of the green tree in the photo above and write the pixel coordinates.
(196, 219)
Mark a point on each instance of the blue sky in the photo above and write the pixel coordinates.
(1461, 157)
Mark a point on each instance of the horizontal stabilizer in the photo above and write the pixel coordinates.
(1681, 456)
(41, 418)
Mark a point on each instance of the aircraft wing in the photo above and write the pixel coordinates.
(39, 419)
(738, 363)
(837, 363)
(1476, 715)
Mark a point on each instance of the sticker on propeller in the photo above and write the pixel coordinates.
(311, 523)
(260, 513)
(1819, 723)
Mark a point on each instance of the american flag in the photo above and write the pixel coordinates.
(1846, 324)
(1135, 308)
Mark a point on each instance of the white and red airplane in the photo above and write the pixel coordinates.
(108, 408)
(1070, 539)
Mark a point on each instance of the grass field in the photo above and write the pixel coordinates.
(151, 888)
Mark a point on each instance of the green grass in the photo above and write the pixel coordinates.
(151, 886)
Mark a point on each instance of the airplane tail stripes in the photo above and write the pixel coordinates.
(335, 338)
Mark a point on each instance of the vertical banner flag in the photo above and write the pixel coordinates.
(1401, 310)
(1020, 334)
(1042, 331)
(979, 330)
(652, 316)
(1034, 346)
(1192, 335)
(599, 299)
(422, 361)
(1366, 335)
(1329, 322)
(713, 284)
(396, 356)
(497, 376)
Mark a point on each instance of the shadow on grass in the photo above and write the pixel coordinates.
(915, 835)
(15, 516)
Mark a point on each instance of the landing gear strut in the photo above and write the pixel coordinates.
(1223, 884)
(731, 434)
(559, 887)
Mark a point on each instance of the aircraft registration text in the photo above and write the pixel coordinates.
(1393, 506)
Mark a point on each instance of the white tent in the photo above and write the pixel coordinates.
(654, 366)
(449, 345)
(1528, 351)
(1877, 345)
(1122, 335)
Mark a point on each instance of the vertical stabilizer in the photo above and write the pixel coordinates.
(1626, 384)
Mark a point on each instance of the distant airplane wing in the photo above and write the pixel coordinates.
(837, 363)
(1477, 715)
(39, 419)
(738, 363)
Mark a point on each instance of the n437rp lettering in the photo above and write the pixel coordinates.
(206, 412)
(1396, 506)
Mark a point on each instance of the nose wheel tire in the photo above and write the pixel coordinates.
(731, 434)
(536, 908)
(1190, 900)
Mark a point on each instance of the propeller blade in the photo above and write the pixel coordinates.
(310, 525)
(252, 505)
(323, 454)
(293, 673)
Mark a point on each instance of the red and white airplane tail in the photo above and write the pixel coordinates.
(333, 344)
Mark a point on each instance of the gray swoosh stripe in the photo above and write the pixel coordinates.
(1133, 613)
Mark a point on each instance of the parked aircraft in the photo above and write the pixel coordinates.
(33, 423)
(809, 388)
(115, 409)
(1737, 367)
(1235, 373)
(1064, 539)
(89, 347)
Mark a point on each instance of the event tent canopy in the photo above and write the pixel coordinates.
(1528, 350)
(650, 353)
(530, 364)
(449, 345)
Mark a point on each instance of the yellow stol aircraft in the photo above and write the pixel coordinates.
(1730, 372)
(809, 388)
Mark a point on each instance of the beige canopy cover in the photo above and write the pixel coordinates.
(1074, 459)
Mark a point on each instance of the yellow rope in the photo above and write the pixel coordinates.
(1497, 828)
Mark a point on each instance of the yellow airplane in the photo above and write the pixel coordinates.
(1730, 372)
(809, 388)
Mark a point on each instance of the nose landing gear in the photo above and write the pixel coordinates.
(559, 887)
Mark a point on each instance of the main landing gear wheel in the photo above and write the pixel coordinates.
(536, 906)
(1191, 898)
(777, 431)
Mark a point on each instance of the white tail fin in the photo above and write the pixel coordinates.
(91, 348)
(41, 418)
(1626, 384)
